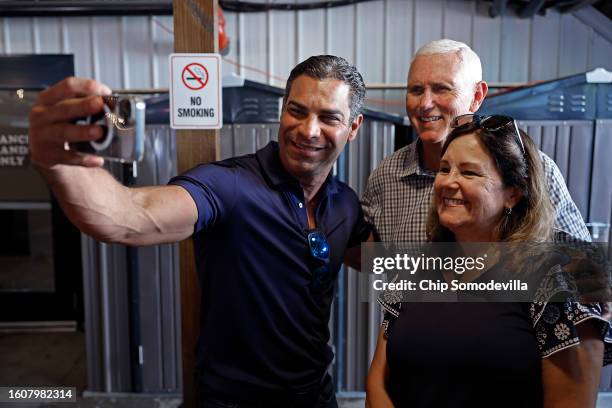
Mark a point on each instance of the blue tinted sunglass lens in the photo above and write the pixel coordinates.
(318, 245)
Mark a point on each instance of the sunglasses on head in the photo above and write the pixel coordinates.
(491, 123)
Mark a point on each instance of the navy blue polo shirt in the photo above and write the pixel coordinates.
(263, 327)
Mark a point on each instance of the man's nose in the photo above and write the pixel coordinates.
(426, 100)
(310, 126)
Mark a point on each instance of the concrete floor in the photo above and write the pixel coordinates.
(43, 359)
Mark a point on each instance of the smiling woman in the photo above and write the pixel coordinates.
(470, 196)
(490, 188)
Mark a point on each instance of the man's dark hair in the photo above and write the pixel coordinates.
(322, 67)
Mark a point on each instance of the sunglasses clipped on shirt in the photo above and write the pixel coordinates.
(491, 123)
(319, 250)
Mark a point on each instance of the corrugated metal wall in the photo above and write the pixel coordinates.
(362, 319)
(379, 37)
(581, 149)
(124, 52)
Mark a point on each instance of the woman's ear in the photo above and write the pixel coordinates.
(513, 196)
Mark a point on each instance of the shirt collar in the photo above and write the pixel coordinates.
(273, 170)
(412, 161)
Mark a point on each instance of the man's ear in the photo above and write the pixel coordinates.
(480, 92)
(355, 127)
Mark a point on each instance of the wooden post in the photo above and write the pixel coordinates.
(195, 30)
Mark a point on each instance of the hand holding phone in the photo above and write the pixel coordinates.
(123, 122)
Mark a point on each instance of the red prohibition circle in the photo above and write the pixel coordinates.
(197, 82)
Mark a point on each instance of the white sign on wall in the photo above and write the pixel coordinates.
(195, 91)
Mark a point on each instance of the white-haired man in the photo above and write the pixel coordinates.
(444, 81)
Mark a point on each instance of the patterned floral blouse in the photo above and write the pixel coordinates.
(554, 322)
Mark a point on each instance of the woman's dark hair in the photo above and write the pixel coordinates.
(331, 67)
(531, 218)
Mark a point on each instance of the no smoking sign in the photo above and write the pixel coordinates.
(195, 76)
(195, 91)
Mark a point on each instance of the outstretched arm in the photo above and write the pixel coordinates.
(91, 198)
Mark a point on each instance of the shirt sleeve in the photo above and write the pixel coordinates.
(567, 216)
(370, 199)
(555, 325)
(213, 188)
(391, 304)
(361, 230)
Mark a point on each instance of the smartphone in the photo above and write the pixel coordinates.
(123, 125)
